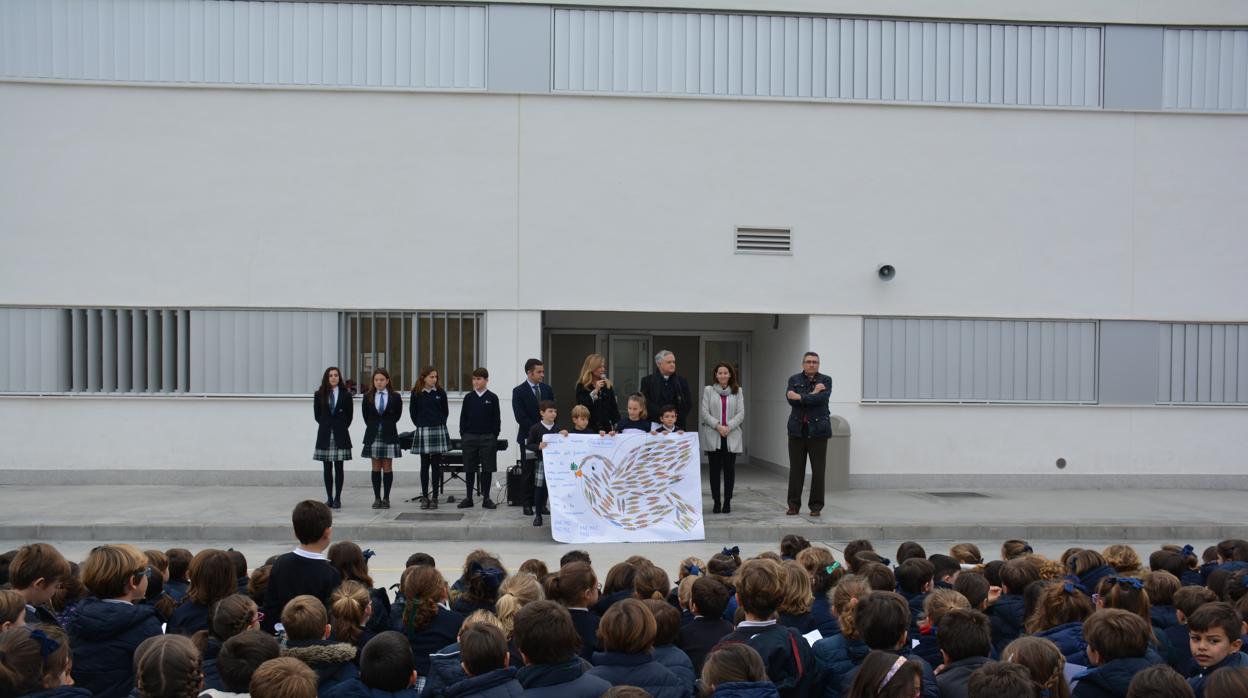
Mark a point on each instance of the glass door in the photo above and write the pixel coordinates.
(628, 362)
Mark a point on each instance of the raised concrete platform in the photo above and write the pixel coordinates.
(155, 512)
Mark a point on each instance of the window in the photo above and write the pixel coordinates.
(1202, 364)
(404, 342)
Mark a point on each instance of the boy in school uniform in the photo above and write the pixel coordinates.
(1215, 631)
(479, 425)
(1117, 645)
(548, 412)
(387, 670)
(667, 421)
(1007, 612)
(36, 573)
(305, 570)
(697, 637)
(1186, 602)
(307, 639)
(965, 639)
(883, 621)
(486, 661)
(580, 422)
(914, 583)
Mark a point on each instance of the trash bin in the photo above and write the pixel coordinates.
(837, 476)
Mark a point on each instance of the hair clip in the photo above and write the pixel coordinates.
(832, 567)
(694, 570)
(1243, 581)
(734, 551)
(886, 562)
(892, 672)
(368, 553)
(1188, 550)
(1027, 549)
(1132, 582)
(46, 644)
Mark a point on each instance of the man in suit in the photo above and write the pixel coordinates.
(525, 399)
(664, 387)
(809, 428)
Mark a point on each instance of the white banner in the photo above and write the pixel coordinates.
(623, 489)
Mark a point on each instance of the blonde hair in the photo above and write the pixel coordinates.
(515, 593)
(1124, 560)
(845, 596)
(591, 364)
(684, 591)
(284, 677)
(798, 596)
(12, 605)
(941, 601)
(580, 411)
(109, 568)
(481, 616)
(967, 554)
(304, 618)
(641, 403)
(813, 558)
(687, 565)
(347, 607)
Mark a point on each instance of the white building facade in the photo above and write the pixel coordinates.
(204, 203)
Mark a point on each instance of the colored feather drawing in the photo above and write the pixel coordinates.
(640, 491)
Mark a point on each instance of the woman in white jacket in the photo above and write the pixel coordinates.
(722, 412)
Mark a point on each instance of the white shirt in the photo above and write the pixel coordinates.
(548, 425)
(309, 554)
(480, 393)
(381, 395)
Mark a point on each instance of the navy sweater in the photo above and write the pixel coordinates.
(440, 631)
(103, 637)
(1111, 679)
(1238, 659)
(641, 670)
(429, 409)
(479, 414)
(1007, 620)
(188, 619)
(294, 575)
(564, 680)
(586, 624)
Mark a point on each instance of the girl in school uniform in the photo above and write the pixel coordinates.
(382, 408)
(429, 409)
(333, 407)
(637, 417)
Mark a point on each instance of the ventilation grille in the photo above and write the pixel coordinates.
(764, 241)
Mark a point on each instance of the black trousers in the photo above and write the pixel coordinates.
(480, 456)
(801, 448)
(723, 462)
(528, 465)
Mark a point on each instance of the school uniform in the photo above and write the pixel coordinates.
(333, 412)
(382, 412)
(380, 619)
(294, 574)
(802, 623)
(1163, 616)
(788, 658)
(332, 661)
(445, 670)
(930, 688)
(430, 409)
(638, 669)
(606, 601)
(41, 615)
(1236, 659)
(525, 400)
(836, 657)
(355, 688)
(1180, 658)
(746, 689)
(533, 443)
(1006, 616)
(954, 677)
(825, 622)
(626, 423)
(103, 636)
(586, 624)
(676, 662)
(500, 683)
(568, 679)
(479, 425)
(586, 430)
(1068, 637)
(188, 619)
(698, 637)
(440, 631)
(1109, 680)
(927, 646)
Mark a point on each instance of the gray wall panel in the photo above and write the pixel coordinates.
(950, 360)
(1128, 363)
(1205, 69)
(519, 48)
(275, 352)
(1133, 62)
(1201, 363)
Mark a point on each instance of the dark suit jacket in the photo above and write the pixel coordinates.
(524, 407)
(811, 408)
(336, 420)
(383, 426)
(677, 394)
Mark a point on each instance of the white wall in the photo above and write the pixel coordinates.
(777, 354)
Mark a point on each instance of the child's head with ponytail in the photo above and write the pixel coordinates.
(168, 666)
(227, 618)
(573, 586)
(651, 582)
(515, 593)
(423, 588)
(349, 608)
(32, 659)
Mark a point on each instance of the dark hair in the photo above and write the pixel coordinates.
(1059, 604)
(212, 577)
(347, 557)
(532, 364)
(386, 662)
(535, 567)
(1168, 561)
(625, 692)
(310, 519)
(965, 633)
(731, 663)
(483, 574)
(419, 385)
(1043, 661)
(967, 553)
(1118, 634)
(258, 583)
(241, 655)
(1161, 681)
(371, 392)
(879, 576)
(666, 621)
(240, 562)
(575, 556)
(810, 353)
(943, 565)
(1017, 573)
(421, 588)
(882, 618)
(992, 572)
(179, 563)
(324, 390)
(619, 578)
(1000, 680)
(710, 596)
(1209, 554)
(1216, 615)
(733, 387)
(1233, 550)
(1161, 588)
(480, 372)
(1227, 682)
(23, 664)
(792, 544)
(1014, 548)
(974, 586)
(569, 585)
(547, 405)
(909, 549)
(852, 549)
(482, 648)
(664, 409)
(873, 681)
(544, 632)
(1085, 561)
(420, 560)
(914, 574)
(227, 618)
(627, 627)
(35, 561)
(1188, 599)
(167, 666)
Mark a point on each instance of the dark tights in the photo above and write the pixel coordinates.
(430, 461)
(334, 477)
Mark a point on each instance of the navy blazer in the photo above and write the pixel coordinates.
(524, 406)
(336, 420)
(812, 408)
(384, 425)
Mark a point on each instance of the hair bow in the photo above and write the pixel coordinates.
(733, 551)
(1243, 581)
(368, 553)
(1188, 550)
(832, 567)
(886, 562)
(46, 644)
(1073, 584)
(1027, 549)
(695, 570)
(1069, 588)
(1128, 581)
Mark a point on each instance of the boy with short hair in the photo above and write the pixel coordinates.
(786, 654)
(283, 677)
(580, 422)
(914, 582)
(945, 570)
(387, 670)
(975, 587)
(548, 412)
(307, 639)
(1186, 602)
(1001, 680)
(667, 421)
(1117, 644)
(179, 581)
(486, 661)
(1215, 631)
(238, 660)
(1008, 611)
(965, 638)
(36, 573)
(882, 620)
(304, 570)
(707, 603)
(479, 425)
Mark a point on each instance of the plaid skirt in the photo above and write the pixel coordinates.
(378, 449)
(332, 452)
(539, 474)
(431, 440)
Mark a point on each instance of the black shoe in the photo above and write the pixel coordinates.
(488, 503)
(715, 509)
(546, 510)
(385, 504)
(376, 503)
(537, 520)
(433, 503)
(337, 503)
(466, 503)
(727, 506)
(528, 510)
(424, 504)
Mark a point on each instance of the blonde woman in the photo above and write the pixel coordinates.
(594, 391)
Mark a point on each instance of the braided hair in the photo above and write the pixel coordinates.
(1044, 661)
(168, 666)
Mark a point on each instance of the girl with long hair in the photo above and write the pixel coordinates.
(429, 408)
(333, 407)
(382, 409)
